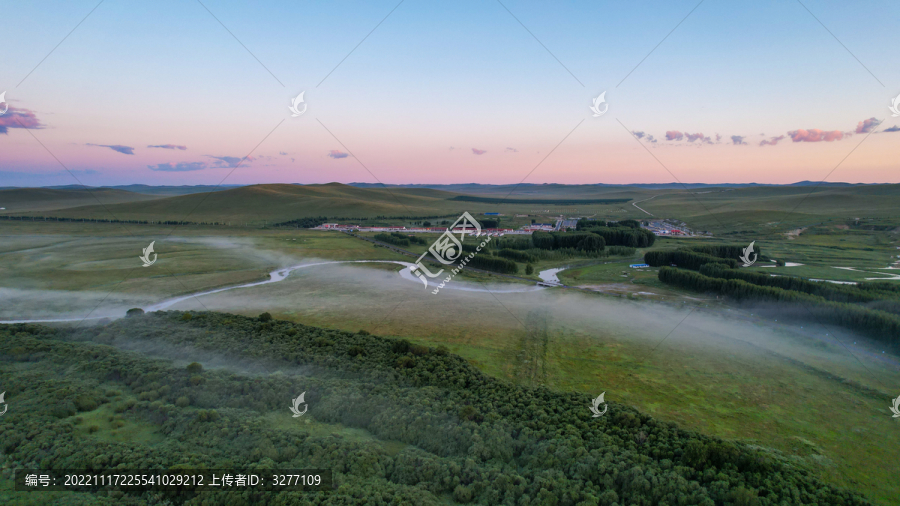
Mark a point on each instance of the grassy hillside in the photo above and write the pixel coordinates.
(20, 201)
(722, 210)
(277, 203)
(395, 422)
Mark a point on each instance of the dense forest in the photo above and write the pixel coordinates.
(398, 423)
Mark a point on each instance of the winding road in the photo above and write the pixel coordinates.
(635, 204)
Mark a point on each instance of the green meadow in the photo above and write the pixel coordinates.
(799, 388)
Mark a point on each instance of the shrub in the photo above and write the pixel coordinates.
(63, 409)
(194, 368)
(265, 317)
(86, 403)
(529, 269)
(463, 494)
(415, 349)
(182, 402)
(186, 317)
(135, 311)
(363, 333)
(406, 361)
(468, 413)
(401, 346)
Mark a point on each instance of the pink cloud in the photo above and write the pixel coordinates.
(478, 151)
(771, 142)
(168, 146)
(179, 167)
(865, 126)
(125, 150)
(18, 118)
(816, 135)
(694, 137)
(229, 161)
(674, 135)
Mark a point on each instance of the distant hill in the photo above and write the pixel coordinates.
(141, 188)
(277, 203)
(530, 187)
(23, 200)
(717, 209)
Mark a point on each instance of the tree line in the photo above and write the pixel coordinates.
(881, 325)
(620, 233)
(561, 240)
(887, 300)
(685, 258)
(399, 239)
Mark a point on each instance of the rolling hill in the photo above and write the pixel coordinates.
(717, 209)
(23, 200)
(277, 203)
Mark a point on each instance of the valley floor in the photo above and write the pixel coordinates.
(815, 393)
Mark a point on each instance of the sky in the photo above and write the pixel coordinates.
(493, 92)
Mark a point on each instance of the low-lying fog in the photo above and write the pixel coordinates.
(375, 297)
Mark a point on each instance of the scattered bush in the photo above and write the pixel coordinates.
(86, 403)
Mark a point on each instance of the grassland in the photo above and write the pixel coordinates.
(29, 200)
(705, 364)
